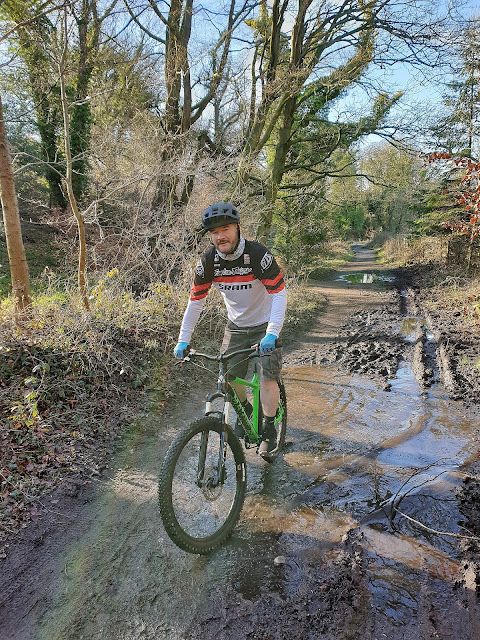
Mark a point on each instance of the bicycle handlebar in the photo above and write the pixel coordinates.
(252, 351)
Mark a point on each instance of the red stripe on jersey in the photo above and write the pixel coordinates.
(278, 289)
(201, 287)
(229, 279)
(200, 291)
(272, 283)
(199, 296)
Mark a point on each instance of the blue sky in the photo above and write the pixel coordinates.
(423, 88)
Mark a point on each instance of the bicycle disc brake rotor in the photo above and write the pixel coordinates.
(210, 490)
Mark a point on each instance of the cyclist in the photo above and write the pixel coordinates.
(252, 287)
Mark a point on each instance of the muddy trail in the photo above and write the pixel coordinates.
(366, 508)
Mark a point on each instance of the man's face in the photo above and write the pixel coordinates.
(225, 238)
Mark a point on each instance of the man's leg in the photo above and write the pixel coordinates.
(270, 395)
(241, 391)
(233, 339)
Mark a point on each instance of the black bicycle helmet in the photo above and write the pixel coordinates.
(219, 214)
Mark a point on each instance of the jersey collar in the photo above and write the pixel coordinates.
(237, 253)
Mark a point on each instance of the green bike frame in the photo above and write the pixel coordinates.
(250, 425)
(230, 398)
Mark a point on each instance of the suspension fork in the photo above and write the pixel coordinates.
(219, 476)
(202, 455)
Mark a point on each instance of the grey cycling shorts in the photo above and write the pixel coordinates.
(268, 366)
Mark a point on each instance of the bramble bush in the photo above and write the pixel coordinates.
(69, 378)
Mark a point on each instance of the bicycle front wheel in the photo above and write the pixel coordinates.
(202, 486)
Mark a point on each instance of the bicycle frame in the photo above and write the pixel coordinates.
(229, 395)
(251, 426)
(230, 398)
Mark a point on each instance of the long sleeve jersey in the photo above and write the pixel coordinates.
(250, 283)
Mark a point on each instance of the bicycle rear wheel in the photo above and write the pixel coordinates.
(281, 419)
(199, 510)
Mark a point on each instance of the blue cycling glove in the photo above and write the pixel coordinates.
(180, 349)
(268, 343)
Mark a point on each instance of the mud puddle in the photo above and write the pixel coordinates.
(351, 565)
(359, 448)
(365, 278)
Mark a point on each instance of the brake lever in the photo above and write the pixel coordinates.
(187, 357)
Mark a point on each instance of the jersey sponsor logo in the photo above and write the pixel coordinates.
(236, 271)
(266, 261)
(233, 287)
(199, 270)
(246, 258)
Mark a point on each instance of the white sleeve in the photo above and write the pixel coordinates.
(277, 314)
(190, 319)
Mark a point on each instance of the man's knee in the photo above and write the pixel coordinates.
(240, 390)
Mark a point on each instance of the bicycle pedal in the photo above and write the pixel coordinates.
(268, 456)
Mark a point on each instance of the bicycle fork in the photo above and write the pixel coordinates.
(219, 471)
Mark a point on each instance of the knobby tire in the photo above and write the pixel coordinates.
(182, 459)
(282, 426)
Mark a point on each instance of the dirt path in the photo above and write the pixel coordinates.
(344, 297)
(370, 424)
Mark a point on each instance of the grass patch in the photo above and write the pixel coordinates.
(410, 250)
(456, 297)
(39, 252)
(303, 305)
(335, 254)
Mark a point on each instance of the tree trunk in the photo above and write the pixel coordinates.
(13, 232)
(278, 168)
(89, 25)
(177, 119)
(82, 254)
(33, 50)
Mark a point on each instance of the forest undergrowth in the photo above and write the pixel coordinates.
(449, 298)
(447, 288)
(71, 379)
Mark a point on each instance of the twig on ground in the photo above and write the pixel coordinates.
(440, 533)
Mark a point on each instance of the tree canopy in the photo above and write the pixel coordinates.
(173, 105)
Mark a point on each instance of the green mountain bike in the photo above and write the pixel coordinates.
(203, 478)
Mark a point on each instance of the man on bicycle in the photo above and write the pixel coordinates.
(252, 287)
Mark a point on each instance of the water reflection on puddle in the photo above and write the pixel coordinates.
(354, 445)
(409, 329)
(364, 278)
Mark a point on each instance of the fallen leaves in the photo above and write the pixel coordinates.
(51, 423)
